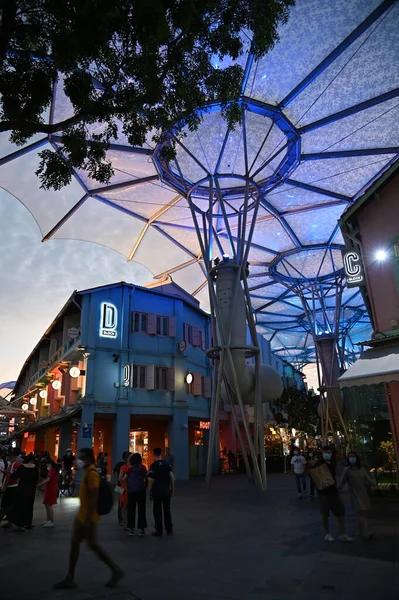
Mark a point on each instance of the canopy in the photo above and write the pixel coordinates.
(320, 125)
(377, 365)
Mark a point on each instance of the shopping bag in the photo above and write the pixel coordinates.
(119, 489)
(322, 477)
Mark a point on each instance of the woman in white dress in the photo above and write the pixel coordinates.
(358, 481)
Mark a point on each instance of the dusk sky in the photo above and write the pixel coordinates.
(37, 278)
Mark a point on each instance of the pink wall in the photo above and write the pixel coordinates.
(379, 222)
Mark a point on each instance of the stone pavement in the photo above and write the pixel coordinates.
(232, 543)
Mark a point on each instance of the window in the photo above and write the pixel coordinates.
(139, 377)
(188, 334)
(140, 321)
(161, 378)
(162, 325)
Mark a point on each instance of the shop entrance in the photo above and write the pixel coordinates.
(138, 442)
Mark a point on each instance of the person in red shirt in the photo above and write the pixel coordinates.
(50, 492)
(10, 485)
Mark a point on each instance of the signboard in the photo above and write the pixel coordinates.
(86, 433)
(108, 320)
(73, 332)
(127, 370)
(204, 425)
(353, 268)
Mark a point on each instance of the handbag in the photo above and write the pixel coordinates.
(322, 477)
(119, 490)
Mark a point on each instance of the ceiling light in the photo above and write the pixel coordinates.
(56, 385)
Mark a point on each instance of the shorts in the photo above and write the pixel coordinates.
(333, 503)
(80, 532)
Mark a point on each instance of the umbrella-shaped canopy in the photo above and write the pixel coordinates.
(320, 124)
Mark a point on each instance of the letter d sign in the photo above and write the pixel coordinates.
(108, 320)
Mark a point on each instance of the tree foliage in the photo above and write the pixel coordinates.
(297, 409)
(127, 66)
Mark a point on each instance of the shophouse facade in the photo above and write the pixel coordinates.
(124, 367)
(371, 232)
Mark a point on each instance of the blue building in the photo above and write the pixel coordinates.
(121, 367)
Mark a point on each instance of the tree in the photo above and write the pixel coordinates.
(297, 409)
(130, 66)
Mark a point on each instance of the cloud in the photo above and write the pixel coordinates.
(37, 278)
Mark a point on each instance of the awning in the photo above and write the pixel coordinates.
(377, 365)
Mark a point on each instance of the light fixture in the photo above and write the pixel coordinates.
(43, 394)
(189, 378)
(33, 400)
(226, 258)
(56, 385)
(74, 372)
(25, 406)
(381, 255)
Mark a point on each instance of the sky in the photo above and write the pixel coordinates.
(36, 279)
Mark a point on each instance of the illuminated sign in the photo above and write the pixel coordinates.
(108, 320)
(353, 268)
(126, 375)
(204, 425)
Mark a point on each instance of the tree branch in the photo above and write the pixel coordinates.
(31, 128)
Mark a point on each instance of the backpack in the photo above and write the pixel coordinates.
(105, 497)
(135, 480)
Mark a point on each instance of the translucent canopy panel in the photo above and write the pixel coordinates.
(320, 123)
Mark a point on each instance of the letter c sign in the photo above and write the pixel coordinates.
(353, 268)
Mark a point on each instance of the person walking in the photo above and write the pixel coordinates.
(136, 479)
(169, 458)
(123, 498)
(161, 489)
(86, 524)
(358, 481)
(10, 485)
(330, 500)
(21, 515)
(50, 492)
(298, 468)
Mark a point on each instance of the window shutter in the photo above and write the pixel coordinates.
(152, 324)
(203, 344)
(196, 336)
(197, 384)
(150, 377)
(172, 326)
(207, 387)
(171, 379)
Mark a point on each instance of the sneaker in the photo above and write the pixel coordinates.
(142, 532)
(131, 532)
(115, 578)
(44, 523)
(66, 584)
(329, 538)
(49, 524)
(345, 538)
(300, 496)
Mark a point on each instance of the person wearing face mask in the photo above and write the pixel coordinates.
(86, 523)
(358, 481)
(298, 468)
(50, 492)
(330, 501)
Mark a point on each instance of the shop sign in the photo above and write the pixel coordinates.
(73, 332)
(353, 268)
(105, 408)
(127, 371)
(204, 425)
(108, 320)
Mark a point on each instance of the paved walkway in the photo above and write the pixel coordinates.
(233, 543)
